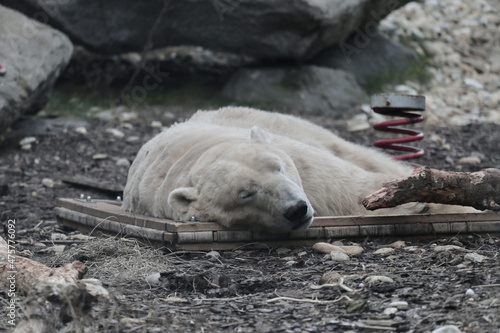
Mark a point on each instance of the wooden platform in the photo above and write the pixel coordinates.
(106, 216)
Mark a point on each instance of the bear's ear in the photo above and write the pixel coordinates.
(258, 135)
(180, 198)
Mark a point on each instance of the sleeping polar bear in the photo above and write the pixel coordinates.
(246, 168)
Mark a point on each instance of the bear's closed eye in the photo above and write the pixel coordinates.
(245, 195)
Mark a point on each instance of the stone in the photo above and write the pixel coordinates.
(115, 132)
(390, 311)
(385, 251)
(376, 279)
(81, 130)
(367, 56)
(265, 29)
(398, 244)
(26, 86)
(339, 256)
(473, 83)
(47, 182)
(322, 247)
(443, 248)
(447, 329)
(475, 257)
(99, 156)
(469, 160)
(28, 140)
(58, 236)
(330, 278)
(153, 279)
(400, 305)
(312, 89)
(123, 162)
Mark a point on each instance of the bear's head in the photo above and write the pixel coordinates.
(249, 184)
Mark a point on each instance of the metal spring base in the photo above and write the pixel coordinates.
(398, 105)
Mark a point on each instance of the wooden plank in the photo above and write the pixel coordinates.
(105, 209)
(107, 216)
(485, 227)
(310, 233)
(195, 237)
(113, 226)
(342, 232)
(233, 236)
(327, 221)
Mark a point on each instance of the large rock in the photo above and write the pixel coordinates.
(367, 55)
(34, 56)
(264, 29)
(311, 89)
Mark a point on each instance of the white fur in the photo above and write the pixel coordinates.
(245, 167)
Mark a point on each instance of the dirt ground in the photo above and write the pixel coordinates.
(246, 290)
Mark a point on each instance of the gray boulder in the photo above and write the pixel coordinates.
(264, 29)
(34, 55)
(312, 89)
(367, 54)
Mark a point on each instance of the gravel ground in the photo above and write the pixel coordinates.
(421, 285)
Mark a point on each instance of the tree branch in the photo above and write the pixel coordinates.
(480, 190)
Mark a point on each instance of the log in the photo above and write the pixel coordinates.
(55, 296)
(480, 190)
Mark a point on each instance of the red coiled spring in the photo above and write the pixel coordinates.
(3, 70)
(399, 105)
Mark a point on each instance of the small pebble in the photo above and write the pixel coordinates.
(473, 83)
(117, 133)
(330, 278)
(339, 256)
(447, 329)
(378, 279)
(123, 162)
(81, 130)
(153, 279)
(390, 311)
(58, 236)
(469, 160)
(385, 251)
(398, 244)
(99, 156)
(213, 254)
(441, 248)
(27, 140)
(400, 305)
(47, 182)
(469, 292)
(156, 124)
(328, 248)
(475, 257)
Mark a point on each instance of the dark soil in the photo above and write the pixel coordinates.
(238, 291)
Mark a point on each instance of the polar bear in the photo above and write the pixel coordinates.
(247, 168)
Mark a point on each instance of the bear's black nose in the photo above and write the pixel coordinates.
(296, 212)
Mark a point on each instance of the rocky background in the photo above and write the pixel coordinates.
(317, 59)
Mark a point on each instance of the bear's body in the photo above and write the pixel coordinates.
(243, 167)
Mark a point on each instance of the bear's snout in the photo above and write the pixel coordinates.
(297, 213)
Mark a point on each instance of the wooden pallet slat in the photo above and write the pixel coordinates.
(107, 216)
